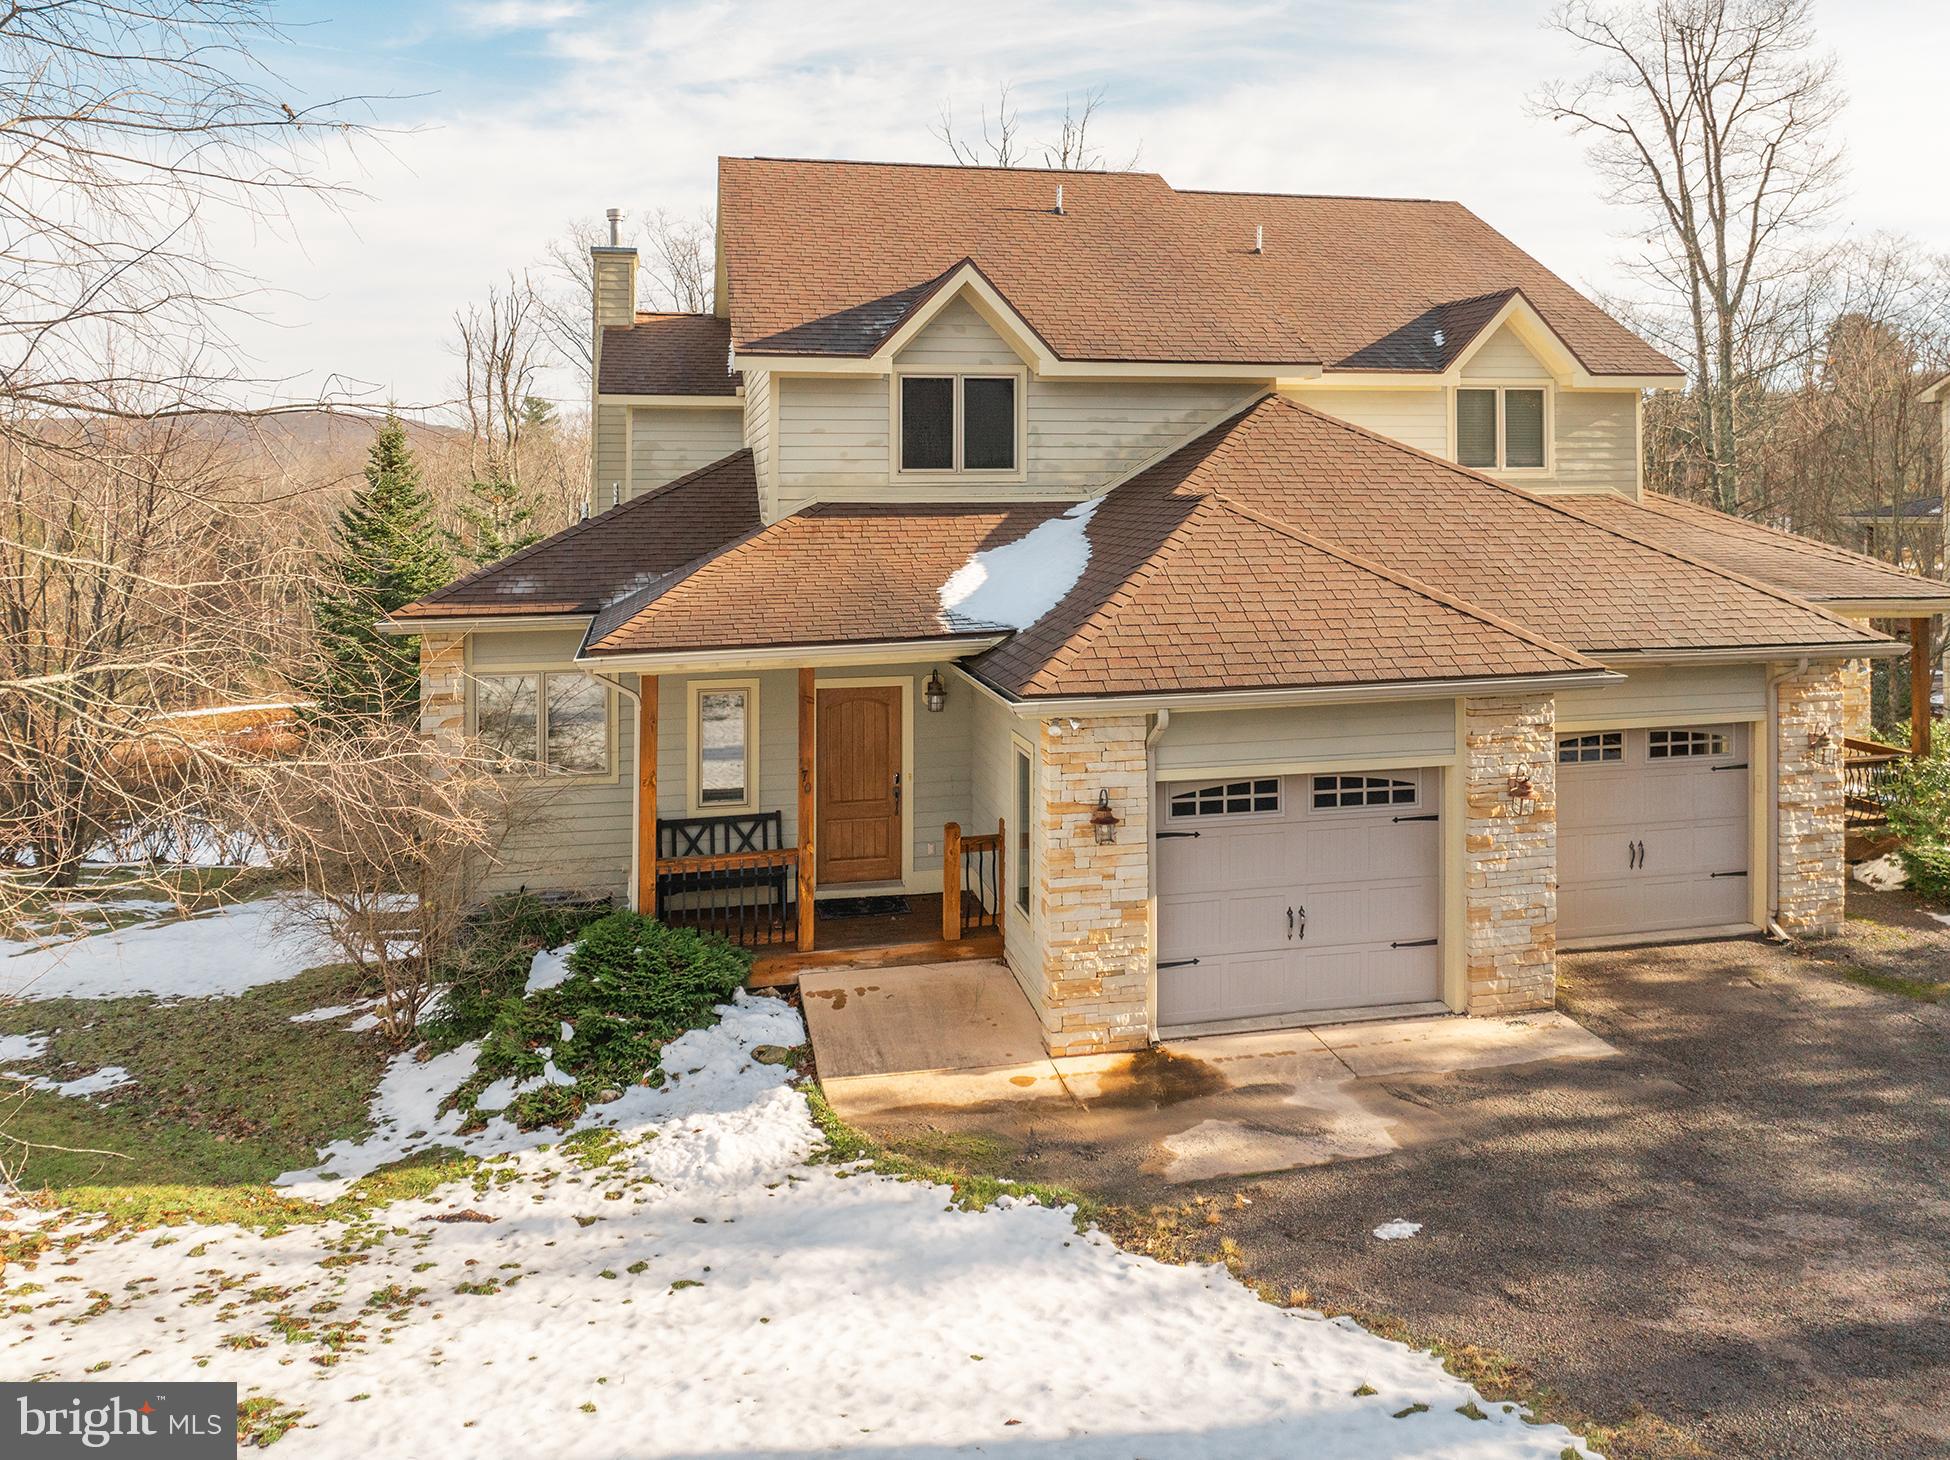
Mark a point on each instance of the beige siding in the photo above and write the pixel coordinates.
(1418, 418)
(667, 441)
(993, 798)
(575, 835)
(1597, 441)
(835, 432)
(1237, 741)
(615, 285)
(758, 436)
(1701, 695)
(1504, 357)
(610, 457)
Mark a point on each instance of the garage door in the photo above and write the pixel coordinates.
(1282, 899)
(1652, 831)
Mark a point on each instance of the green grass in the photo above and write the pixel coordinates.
(1923, 991)
(225, 1091)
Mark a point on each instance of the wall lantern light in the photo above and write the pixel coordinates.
(1522, 786)
(1103, 821)
(934, 694)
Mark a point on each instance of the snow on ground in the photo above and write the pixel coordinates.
(551, 967)
(712, 1294)
(222, 953)
(1014, 585)
(1883, 874)
(1396, 1230)
(22, 1047)
(108, 1077)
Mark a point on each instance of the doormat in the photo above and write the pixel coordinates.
(862, 907)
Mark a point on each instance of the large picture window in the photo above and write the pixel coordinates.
(958, 423)
(555, 722)
(724, 729)
(1501, 429)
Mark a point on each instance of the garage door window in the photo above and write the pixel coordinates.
(1339, 793)
(1231, 798)
(1679, 744)
(1606, 746)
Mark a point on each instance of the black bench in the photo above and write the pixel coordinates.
(680, 837)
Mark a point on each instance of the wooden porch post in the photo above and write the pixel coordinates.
(808, 850)
(1919, 687)
(646, 822)
(951, 882)
(1001, 871)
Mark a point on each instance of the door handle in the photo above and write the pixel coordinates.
(897, 790)
(1303, 925)
(1641, 856)
(1632, 854)
(1289, 925)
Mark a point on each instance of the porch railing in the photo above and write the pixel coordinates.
(1868, 766)
(748, 897)
(971, 881)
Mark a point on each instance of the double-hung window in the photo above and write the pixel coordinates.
(547, 721)
(1502, 428)
(959, 423)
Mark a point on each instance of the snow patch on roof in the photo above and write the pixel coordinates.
(1015, 585)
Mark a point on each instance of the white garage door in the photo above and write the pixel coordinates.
(1282, 899)
(1652, 831)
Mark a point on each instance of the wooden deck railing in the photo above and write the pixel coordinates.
(748, 897)
(972, 880)
(1868, 766)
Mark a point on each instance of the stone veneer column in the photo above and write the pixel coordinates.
(1095, 938)
(443, 688)
(1811, 866)
(1858, 700)
(1510, 887)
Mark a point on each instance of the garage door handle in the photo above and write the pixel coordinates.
(1303, 925)
(1289, 925)
(1631, 854)
(1641, 856)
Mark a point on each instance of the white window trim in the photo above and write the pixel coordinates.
(694, 752)
(1413, 777)
(1173, 791)
(539, 770)
(1726, 749)
(957, 473)
(1565, 739)
(1500, 386)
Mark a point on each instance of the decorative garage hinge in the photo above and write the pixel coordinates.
(1415, 943)
(1427, 816)
(1741, 767)
(1163, 834)
(1729, 874)
(1180, 962)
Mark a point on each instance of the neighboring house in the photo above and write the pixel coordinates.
(1275, 572)
(1911, 536)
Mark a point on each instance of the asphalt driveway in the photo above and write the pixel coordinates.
(1740, 1224)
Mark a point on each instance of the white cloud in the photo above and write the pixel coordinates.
(631, 105)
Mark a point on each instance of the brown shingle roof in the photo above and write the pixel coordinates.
(596, 561)
(668, 354)
(1817, 571)
(1548, 563)
(828, 258)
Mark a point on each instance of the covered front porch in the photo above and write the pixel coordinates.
(818, 815)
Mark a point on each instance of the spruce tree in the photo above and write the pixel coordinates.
(389, 553)
(498, 518)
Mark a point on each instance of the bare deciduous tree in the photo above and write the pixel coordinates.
(503, 347)
(1001, 142)
(1711, 119)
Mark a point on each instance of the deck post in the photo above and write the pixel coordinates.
(1001, 872)
(951, 882)
(808, 853)
(1919, 687)
(646, 792)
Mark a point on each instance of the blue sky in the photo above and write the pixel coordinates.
(512, 117)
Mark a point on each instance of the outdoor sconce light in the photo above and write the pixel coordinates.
(934, 694)
(1103, 821)
(1522, 788)
(1821, 745)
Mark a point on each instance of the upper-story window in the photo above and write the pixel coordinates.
(958, 422)
(1501, 428)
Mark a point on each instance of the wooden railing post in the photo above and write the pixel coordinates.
(951, 882)
(646, 768)
(1920, 676)
(1001, 871)
(808, 859)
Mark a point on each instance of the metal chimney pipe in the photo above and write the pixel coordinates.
(615, 216)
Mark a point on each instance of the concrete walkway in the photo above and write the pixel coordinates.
(956, 1047)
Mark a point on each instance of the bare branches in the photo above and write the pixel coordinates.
(1001, 142)
(503, 346)
(1710, 120)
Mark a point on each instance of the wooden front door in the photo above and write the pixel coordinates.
(859, 784)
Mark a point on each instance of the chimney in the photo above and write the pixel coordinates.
(614, 271)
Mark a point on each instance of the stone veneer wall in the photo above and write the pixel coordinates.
(1858, 700)
(1510, 885)
(443, 687)
(1811, 866)
(1092, 991)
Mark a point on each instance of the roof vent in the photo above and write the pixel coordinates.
(1259, 238)
(615, 216)
(1059, 199)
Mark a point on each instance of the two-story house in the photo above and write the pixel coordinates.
(1246, 607)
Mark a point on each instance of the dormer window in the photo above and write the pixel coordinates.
(1501, 429)
(959, 423)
